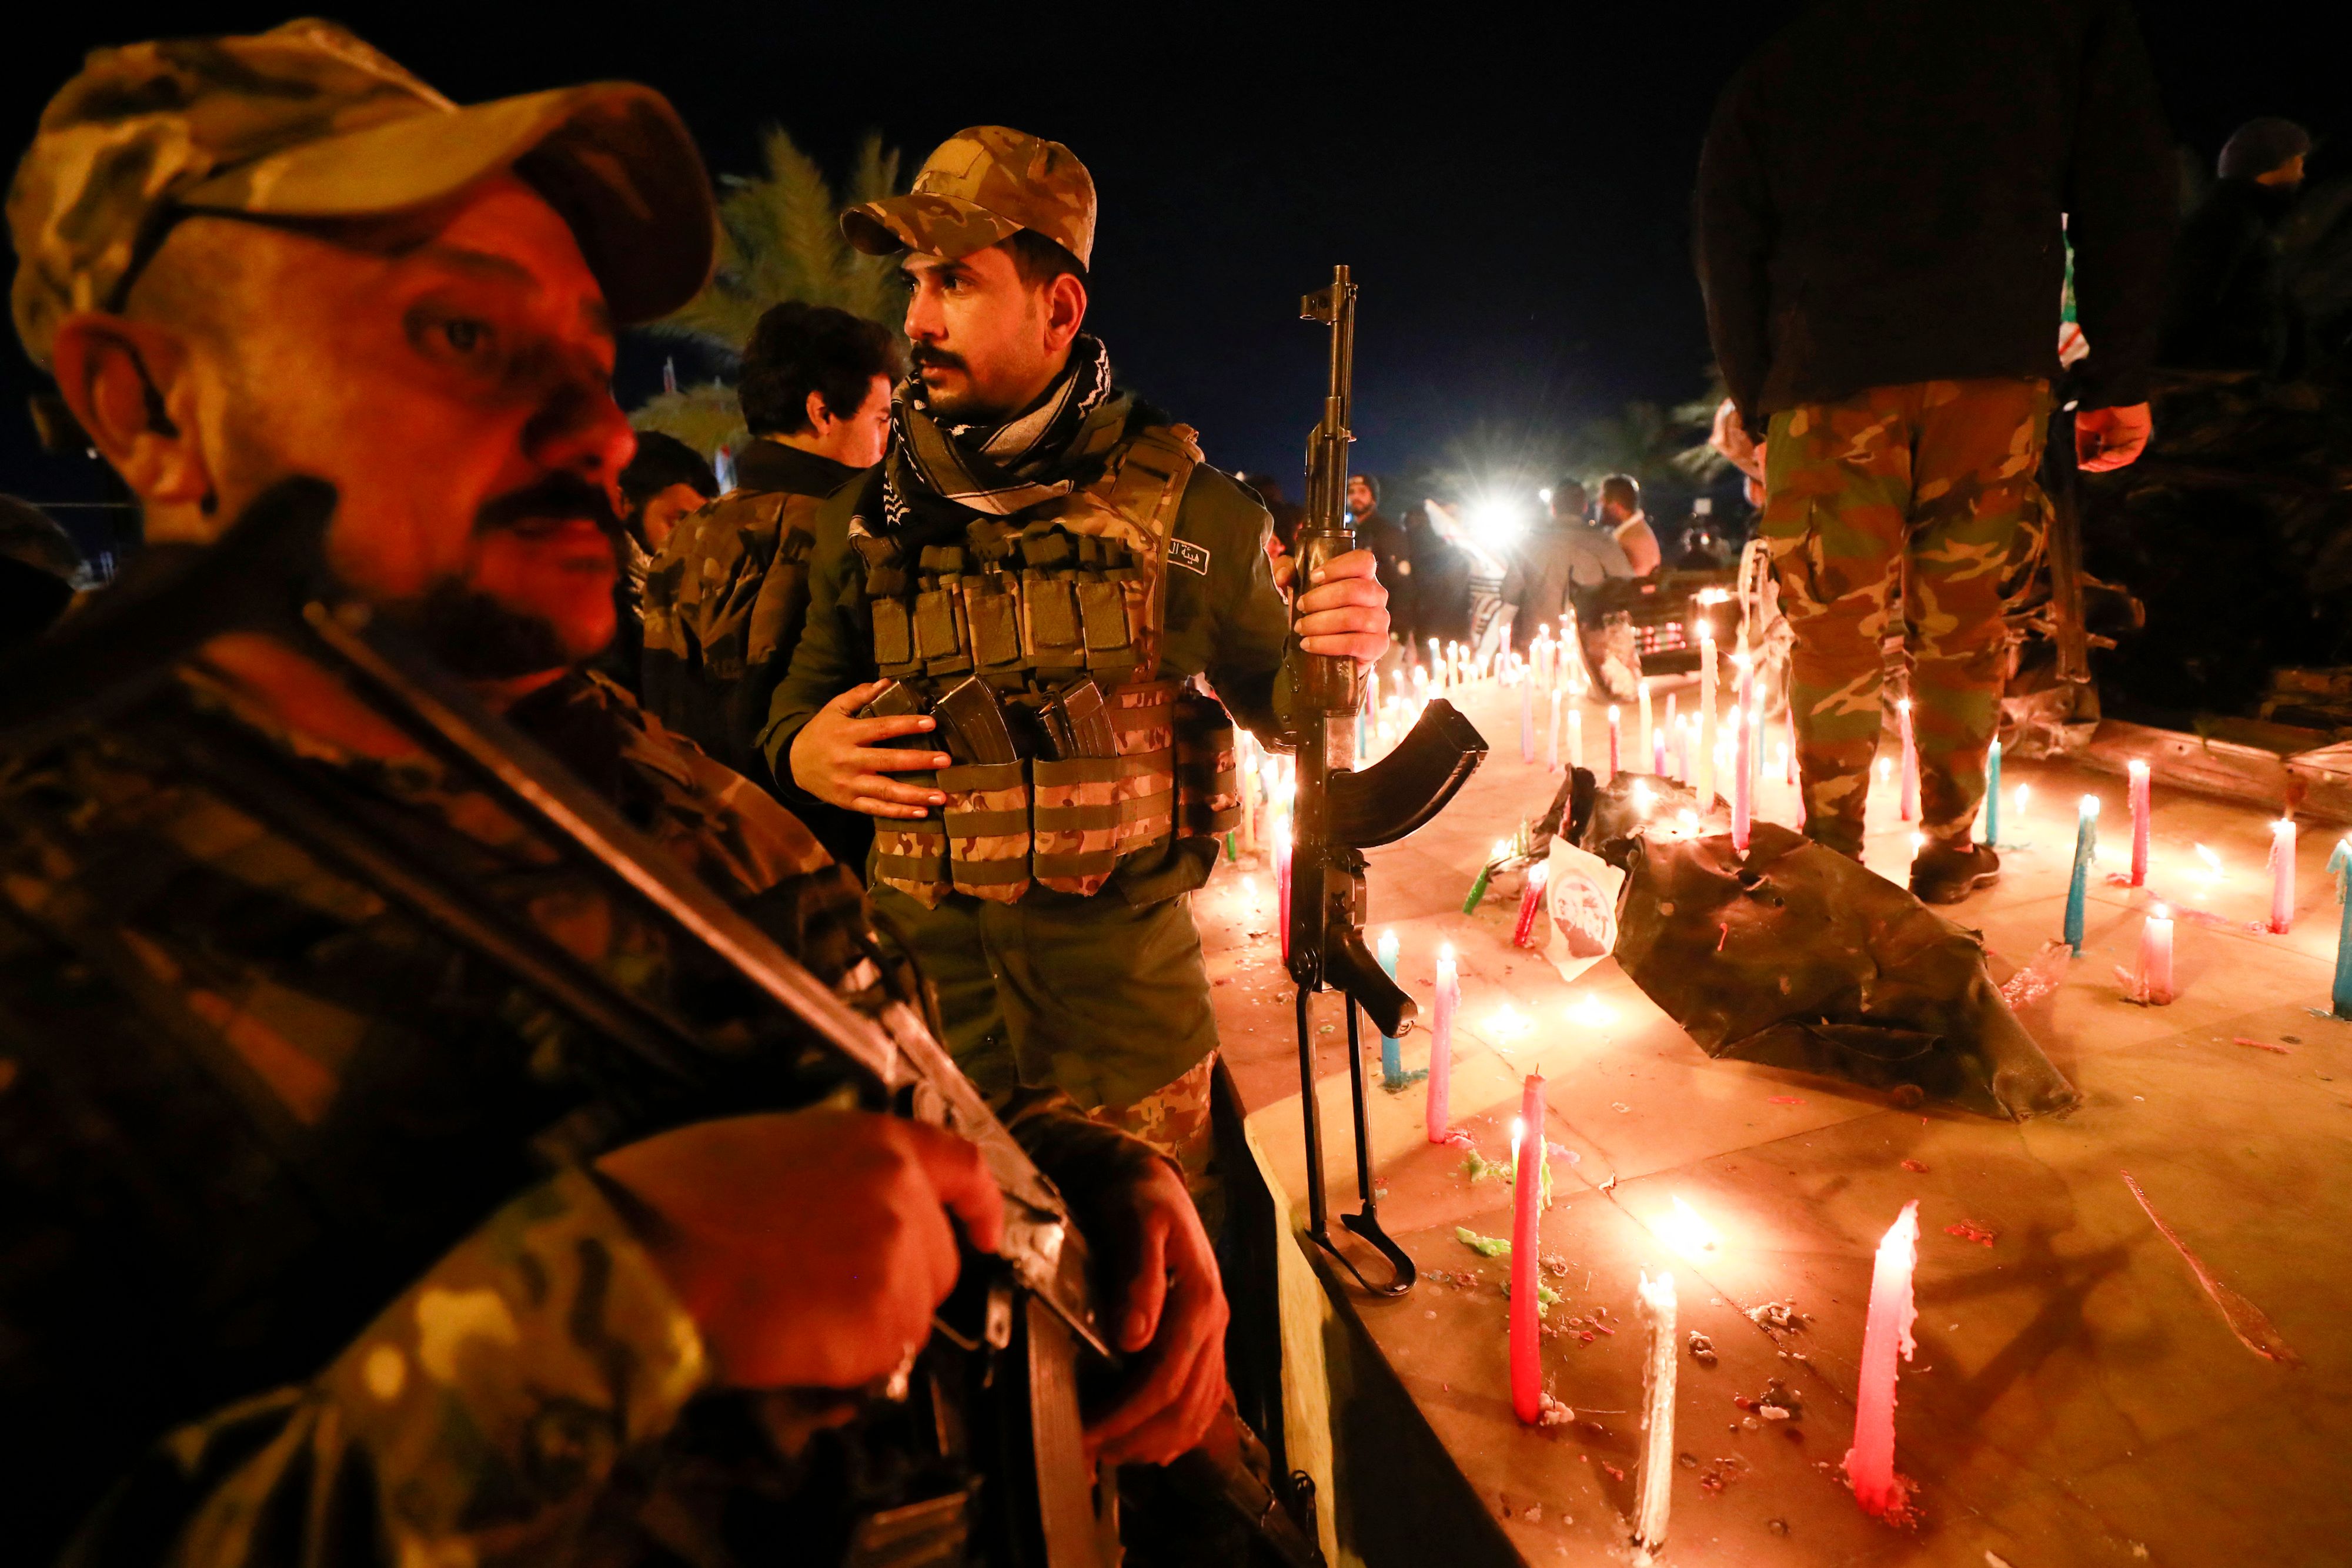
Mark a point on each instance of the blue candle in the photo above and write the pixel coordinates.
(2086, 839)
(1392, 1064)
(2339, 866)
(1992, 796)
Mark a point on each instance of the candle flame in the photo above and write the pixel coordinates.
(1518, 1135)
(1885, 769)
(2212, 862)
(1592, 1012)
(1445, 953)
(1681, 1228)
(2091, 807)
(2025, 793)
(2159, 912)
(1642, 800)
(2137, 768)
(1903, 705)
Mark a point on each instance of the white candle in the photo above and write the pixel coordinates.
(2155, 957)
(1576, 738)
(1657, 1414)
(2281, 875)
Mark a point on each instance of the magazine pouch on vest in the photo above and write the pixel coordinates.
(1208, 784)
(910, 855)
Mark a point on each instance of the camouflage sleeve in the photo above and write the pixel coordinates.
(478, 1419)
(836, 650)
(1225, 621)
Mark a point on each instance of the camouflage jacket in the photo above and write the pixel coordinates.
(298, 1178)
(727, 596)
(1222, 620)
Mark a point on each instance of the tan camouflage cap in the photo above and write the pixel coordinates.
(982, 185)
(307, 120)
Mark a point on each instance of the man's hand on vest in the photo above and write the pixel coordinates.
(2111, 438)
(810, 1249)
(1170, 1317)
(839, 757)
(1346, 612)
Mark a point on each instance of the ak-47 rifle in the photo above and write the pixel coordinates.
(1339, 813)
(2066, 626)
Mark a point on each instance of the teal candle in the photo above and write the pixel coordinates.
(1993, 795)
(1392, 1073)
(2087, 840)
(2339, 866)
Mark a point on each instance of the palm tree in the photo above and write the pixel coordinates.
(779, 240)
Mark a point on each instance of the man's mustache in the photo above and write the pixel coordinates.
(558, 498)
(926, 357)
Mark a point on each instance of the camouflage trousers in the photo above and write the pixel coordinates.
(1923, 497)
(1103, 999)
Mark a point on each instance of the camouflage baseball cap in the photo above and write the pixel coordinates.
(982, 185)
(307, 120)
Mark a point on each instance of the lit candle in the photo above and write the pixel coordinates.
(1741, 803)
(2087, 840)
(1657, 1413)
(2339, 866)
(1435, 660)
(1870, 1463)
(1552, 745)
(1910, 800)
(1642, 689)
(2155, 957)
(2025, 793)
(2281, 875)
(1526, 721)
(1392, 1058)
(1992, 794)
(1441, 1041)
(1706, 716)
(1616, 743)
(1282, 881)
(1527, 1248)
(1530, 906)
(1246, 745)
(1576, 738)
(2138, 774)
(1658, 753)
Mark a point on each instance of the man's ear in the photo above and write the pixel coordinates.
(820, 417)
(129, 384)
(1065, 311)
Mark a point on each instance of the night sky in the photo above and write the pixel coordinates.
(1513, 193)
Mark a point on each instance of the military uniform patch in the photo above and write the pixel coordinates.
(1192, 558)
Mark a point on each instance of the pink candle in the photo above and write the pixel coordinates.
(1441, 1041)
(2281, 875)
(1282, 879)
(2138, 771)
(1870, 1463)
(1910, 802)
(2155, 956)
(1527, 1246)
(1743, 744)
(1576, 738)
(1531, 905)
(1658, 752)
(1616, 742)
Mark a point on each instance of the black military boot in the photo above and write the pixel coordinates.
(1947, 874)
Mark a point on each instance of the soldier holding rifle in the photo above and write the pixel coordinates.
(1010, 613)
(340, 1215)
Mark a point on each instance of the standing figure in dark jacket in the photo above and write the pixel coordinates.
(2230, 308)
(667, 482)
(1883, 207)
(1385, 538)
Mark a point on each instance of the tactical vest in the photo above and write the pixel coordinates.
(1035, 604)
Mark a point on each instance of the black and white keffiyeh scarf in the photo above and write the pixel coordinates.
(940, 475)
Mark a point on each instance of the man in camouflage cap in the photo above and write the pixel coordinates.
(1048, 899)
(276, 1149)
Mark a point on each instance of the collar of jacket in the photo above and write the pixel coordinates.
(765, 465)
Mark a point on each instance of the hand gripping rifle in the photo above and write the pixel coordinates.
(1339, 812)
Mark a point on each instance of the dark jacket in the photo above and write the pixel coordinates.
(2228, 308)
(1385, 538)
(1880, 195)
(1440, 583)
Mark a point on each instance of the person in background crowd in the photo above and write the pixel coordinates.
(1567, 552)
(1385, 538)
(40, 571)
(1621, 516)
(1440, 574)
(664, 483)
(2229, 306)
(729, 595)
(1883, 279)
(1267, 489)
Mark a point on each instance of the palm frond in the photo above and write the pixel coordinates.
(704, 417)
